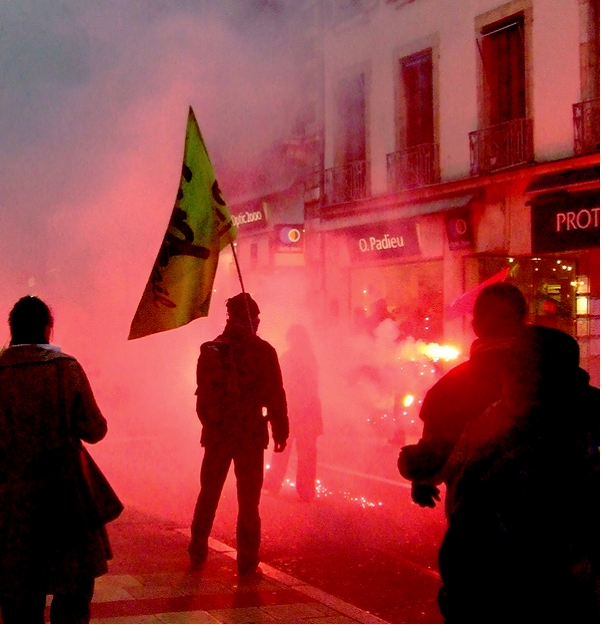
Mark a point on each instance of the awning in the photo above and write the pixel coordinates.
(398, 212)
(584, 178)
(437, 206)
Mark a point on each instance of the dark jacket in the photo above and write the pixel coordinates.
(523, 540)
(240, 390)
(45, 402)
(457, 398)
(300, 375)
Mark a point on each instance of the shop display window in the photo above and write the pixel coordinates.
(412, 293)
(562, 291)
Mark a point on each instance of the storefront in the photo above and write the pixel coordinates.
(386, 265)
(565, 233)
(421, 257)
(561, 276)
(397, 263)
(270, 230)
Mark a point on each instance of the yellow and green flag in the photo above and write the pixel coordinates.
(181, 283)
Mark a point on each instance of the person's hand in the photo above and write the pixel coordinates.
(425, 495)
(279, 447)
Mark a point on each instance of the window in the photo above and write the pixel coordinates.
(413, 292)
(349, 179)
(351, 114)
(416, 125)
(502, 50)
(505, 138)
(416, 161)
(562, 291)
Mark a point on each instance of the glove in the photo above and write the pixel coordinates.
(425, 495)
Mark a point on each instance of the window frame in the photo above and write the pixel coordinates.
(490, 21)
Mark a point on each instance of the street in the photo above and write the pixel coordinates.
(362, 540)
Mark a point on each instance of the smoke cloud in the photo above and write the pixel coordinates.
(93, 109)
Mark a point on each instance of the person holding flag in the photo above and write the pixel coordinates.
(239, 390)
(239, 383)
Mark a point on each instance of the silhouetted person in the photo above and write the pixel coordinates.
(379, 314)
(239, 390)
(465, 391)
(359, 325)
(300, 375)
(523, 539)
(46, 409)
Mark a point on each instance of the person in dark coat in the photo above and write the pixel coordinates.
(523, 543)
(465, 391)
(300, 374)
(46, 546)
(239, 390)
(379, 314)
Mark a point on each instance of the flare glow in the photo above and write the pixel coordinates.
(436, 352)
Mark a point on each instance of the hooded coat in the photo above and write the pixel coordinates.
(523, 544)
(240, 390)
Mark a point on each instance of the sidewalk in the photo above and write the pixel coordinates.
(150, 582)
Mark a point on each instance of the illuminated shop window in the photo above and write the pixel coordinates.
(582, 305)
(562, 291)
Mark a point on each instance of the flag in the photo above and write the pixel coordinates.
(465, 303)
(181, 282)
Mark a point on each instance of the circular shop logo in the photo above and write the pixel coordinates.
(290, 235)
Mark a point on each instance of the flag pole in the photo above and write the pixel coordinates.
(242, 286)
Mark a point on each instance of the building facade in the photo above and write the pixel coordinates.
(459, 144)
(443, 144)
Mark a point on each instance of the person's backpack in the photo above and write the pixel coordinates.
(217, 382)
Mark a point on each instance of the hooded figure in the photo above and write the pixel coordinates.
(523, 543)
(239, 391)
(300, 374)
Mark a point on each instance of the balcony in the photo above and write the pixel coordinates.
(311, 194)
(346, 183)
(311, 180)
(500, 146)
(415, 167)
(586, 124)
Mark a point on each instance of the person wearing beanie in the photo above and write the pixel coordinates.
(239, 392)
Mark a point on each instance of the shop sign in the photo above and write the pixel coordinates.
(249, 216)
(459, 230)
(564, 221)
(289, 238)
(383, 241)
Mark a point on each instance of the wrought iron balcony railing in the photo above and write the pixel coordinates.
(311, 180)
(500, 146)
(415, 167)
(586, 124)
(346, 183)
